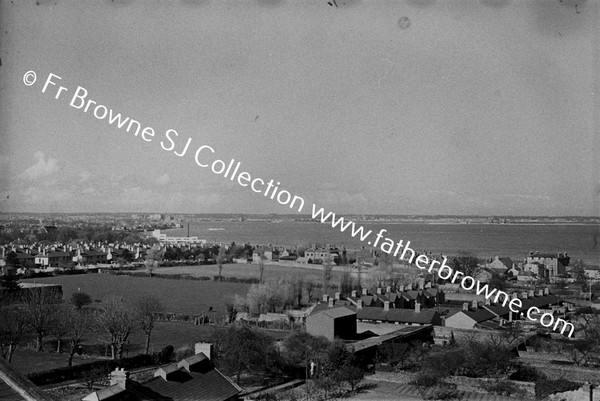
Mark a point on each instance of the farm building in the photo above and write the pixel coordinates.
(332, 322)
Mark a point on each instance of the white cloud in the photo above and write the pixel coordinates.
(42, 168)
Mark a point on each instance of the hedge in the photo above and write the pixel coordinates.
(101, 368)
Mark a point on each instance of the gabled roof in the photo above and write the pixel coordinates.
(335, 312)
(478, 315)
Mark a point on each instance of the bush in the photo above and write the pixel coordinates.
(91, 370)
(527, 374)
(544, 387)
(166, 354)
(504, 387)
(184, 352)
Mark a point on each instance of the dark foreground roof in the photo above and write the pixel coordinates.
(14, 387)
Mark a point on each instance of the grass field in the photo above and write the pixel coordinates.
(247, 270)
(177, 296)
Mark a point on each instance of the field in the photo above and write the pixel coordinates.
(177, 296)
(247, 270)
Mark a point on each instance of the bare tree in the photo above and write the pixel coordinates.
(115, 322)
(70, 325)
(147, 308)
(221, 258)
(153, 257)
(12, 329)
(40, 307)
(261, 264)
(327, 267)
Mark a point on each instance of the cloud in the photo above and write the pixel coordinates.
(163, 179)
(42, 168)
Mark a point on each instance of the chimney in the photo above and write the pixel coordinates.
(364, 291)
(546, 291)
(359, 304)
(337, 296)
(386, 306)
(325, 297)
(474, 304)
(119, 376)
(466, 306)
(487, 301)
(330, 304)
(353, 294)
(205, 348)
(378, 290)
(524, 295)
(417, 307)
(540, 293)
(443, 320)
(531, 294)
(514, 295)
(388, 289)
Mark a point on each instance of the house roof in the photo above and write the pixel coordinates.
(209, 385)
(397, 315)
(193, 378)
(478, 315)
(335, 312)
(508, 262)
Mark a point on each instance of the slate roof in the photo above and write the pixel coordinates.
(336, 312)
(479, 315)
(397, 315)
(207, 385)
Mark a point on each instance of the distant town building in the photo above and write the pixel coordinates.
(552, 264)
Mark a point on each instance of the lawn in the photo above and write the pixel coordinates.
(251, 270)
(177, 296)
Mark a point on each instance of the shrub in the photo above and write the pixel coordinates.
(527, 374)
(166, 354)
(184, 352)
(544, 387)
(504, 387)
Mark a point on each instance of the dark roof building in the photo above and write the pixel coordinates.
(332, 322)
(193, 378)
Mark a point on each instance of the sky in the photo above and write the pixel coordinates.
(465, 107)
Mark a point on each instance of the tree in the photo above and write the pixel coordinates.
(300, 347)
(80, 299)
(115, 322)
(147, 308)
(221, 258)
(40, 305)
(261, 264)
(71, 324)
(346, 283)
(297, 289)
(466, 263)
(241, 349)
(341, 366)
(327, 267)
(153, 257)
(12, 329)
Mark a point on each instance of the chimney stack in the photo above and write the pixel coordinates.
(474, 304)
(466, 306)
(359, 304)
(330, 304)
(524, 295)
(546, 291)
(531, 294)
(337, 296)
(540, 293)
(205, 348)
(325, 297)
(119, 376)
(364, 291)
(417, 307)
(378, 290)
(386, 306)
(353, 294)
(388, 289)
